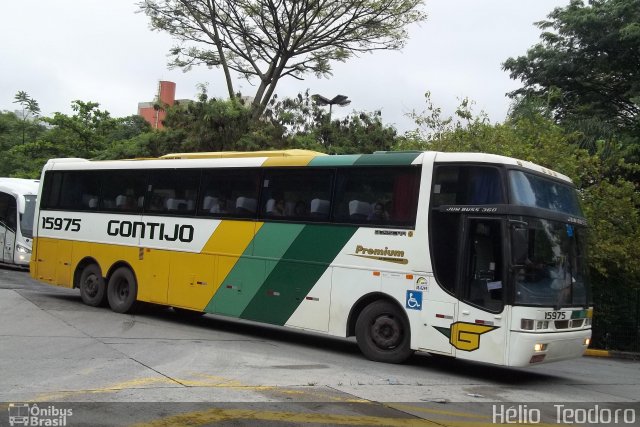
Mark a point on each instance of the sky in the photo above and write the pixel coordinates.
(104, 51)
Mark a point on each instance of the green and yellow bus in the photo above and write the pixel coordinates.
(475, 256)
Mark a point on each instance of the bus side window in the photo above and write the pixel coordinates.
(377, 196)
(7, 206)
(173, 191)
(228, 193)
(467, 185)
(297, 195)
(121, 190)
(51, 190)
(12, 214)
(79, 191)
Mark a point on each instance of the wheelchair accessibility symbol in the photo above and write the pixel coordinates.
(414, 300)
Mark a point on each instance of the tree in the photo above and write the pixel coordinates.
(586, 69)
(83, 134)
(29, 106)
(271, 39)
(210, 124)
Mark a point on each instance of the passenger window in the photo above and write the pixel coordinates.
(6, 201)
(173, 191)
(72, 190)
(467, 185)
(297, 195)
(123, 191)
(229, 193)
(51, 190)
(377, 196)
(12, 214)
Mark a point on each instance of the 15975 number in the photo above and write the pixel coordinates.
(66, 224)
(555, 315)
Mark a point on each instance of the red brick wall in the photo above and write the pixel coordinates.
(166, 96)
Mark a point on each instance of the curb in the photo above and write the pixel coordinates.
(590, 352)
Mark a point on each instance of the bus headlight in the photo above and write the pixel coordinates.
(587, 341)
(22, 249)
(540, 347)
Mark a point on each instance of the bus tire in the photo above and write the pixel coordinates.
(383, 333)
(122, 291)
(92, 286)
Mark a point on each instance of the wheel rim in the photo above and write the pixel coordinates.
(386, 332)
(122, 290)
(91, 285)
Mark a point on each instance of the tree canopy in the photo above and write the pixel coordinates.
(271, 39)
(586, 68)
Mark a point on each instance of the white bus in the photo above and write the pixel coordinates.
(17, 207)
(467, 255)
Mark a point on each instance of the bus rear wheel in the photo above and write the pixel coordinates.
(92, 286)
(383, 333)
(122, 291)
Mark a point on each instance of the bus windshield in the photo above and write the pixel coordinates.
(532, 190)
(550, 264)
(26, 219)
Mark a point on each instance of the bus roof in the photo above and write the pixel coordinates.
(19, 186)
(295, 157)
(240, 154)
(494, 158)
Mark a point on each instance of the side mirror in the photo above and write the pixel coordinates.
(519, 245)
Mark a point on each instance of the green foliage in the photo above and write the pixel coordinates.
(531, 137)
(613, 212)
(228, 125)
(586, 70)
(89, 133)
(30, 112)
(85, 133)
(29, 105)
(220, 125)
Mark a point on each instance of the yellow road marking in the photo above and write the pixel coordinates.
(437, 411)
(199, 418)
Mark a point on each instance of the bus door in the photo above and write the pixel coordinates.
(8, 222)
(481, 327)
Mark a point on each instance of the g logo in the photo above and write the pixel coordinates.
(466, 336)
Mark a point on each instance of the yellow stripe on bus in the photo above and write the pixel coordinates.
(231, 237)
(228, 242)
(288, 161)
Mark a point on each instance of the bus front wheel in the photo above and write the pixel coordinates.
(382, 333)
(92, 286)
(122, 290)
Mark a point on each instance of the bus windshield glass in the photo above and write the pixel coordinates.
(26, 219)
(535, 191)
(550, 264)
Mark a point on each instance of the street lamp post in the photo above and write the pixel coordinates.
(340, 100)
